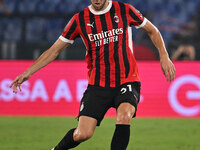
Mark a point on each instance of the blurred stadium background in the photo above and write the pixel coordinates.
(169, 112)
(30, 26)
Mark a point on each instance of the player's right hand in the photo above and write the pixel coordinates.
(19, 80)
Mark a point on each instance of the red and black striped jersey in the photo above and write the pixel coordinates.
(107, 36)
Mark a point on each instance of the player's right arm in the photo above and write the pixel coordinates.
(47, 57)
(70, 32)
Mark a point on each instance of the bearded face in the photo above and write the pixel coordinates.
(98, 4)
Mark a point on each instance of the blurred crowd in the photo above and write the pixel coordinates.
(27, 27)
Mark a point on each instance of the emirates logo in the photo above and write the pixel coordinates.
(116, 19)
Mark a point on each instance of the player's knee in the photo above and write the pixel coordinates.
(83, 135)
(125, 117)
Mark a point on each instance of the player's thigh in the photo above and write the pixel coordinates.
(95, 103)
(128, 93)
(87, 124)
(125, 112)
(85, 129)
(126, 101)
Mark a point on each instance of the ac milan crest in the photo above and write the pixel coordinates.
(116, 18)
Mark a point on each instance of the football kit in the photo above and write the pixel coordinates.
(113, 76)
(107, 36)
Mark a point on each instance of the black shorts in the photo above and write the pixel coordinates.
(97, 100)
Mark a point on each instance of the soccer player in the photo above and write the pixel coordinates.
(113, 79)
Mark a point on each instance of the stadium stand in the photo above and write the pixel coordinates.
(42, 21)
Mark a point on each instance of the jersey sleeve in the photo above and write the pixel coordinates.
(136, 18)
(71, 31)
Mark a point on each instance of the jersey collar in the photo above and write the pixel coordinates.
(100, 12)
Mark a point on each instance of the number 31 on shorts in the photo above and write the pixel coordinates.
(124, 89)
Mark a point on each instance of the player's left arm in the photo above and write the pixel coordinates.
(166, 64)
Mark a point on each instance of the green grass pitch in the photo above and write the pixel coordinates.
(43, 133)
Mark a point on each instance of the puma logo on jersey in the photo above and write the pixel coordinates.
(91, 25)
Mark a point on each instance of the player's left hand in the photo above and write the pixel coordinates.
(168, 68)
